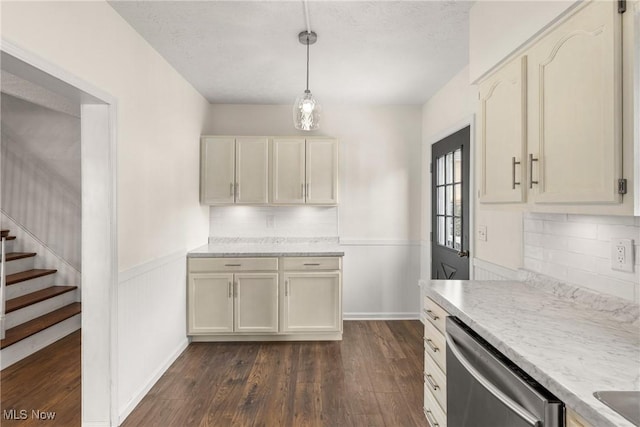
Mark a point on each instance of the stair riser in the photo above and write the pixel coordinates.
(28, 346)
(19, 265)
(25, 314)
(29, 286)
(9, 246)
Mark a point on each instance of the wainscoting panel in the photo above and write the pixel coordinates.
(151, 325)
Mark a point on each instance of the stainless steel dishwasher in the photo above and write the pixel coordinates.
(485, 389)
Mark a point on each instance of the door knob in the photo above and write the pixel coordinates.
(463, 254)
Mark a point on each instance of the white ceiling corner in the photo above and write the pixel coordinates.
(368, 52)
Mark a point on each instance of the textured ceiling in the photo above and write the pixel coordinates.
(368, 52)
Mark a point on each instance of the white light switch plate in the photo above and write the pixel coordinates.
(482, 233)
(622, 256)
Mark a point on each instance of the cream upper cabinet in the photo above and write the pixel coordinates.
(312, 302)
(234, 170)
(305, 171)
(575, 109)
(502, 134)
(217, 170)
(288, 160)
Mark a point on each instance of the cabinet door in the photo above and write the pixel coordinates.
(252, 170)
(210, 303)
(575, 115)
(312, 302)
(217, 176)
(322, 172)
(503, 134)
(256, 302)
(288, 171)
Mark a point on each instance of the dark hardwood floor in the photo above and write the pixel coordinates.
(47, 381)
(371, 378)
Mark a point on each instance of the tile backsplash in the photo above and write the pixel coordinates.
(273, 221)
(577, 249)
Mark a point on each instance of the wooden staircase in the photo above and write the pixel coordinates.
(38, 312)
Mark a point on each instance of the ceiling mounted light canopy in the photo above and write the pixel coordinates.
(306, 110)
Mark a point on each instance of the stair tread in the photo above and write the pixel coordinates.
(9, 237)
(35, 297)
(38, 324)
(4, 233)
(12, 279)
(12, 256)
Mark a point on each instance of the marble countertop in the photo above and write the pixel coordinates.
(570, 348)
(268, 247)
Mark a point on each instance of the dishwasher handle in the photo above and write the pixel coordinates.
(490, 387)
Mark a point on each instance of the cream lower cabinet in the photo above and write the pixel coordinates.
(287, 298)
(435, 364)
(232, 295)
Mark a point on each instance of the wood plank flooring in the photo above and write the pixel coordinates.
(46, 381)
(373, 377)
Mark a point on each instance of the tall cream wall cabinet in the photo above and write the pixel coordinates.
(234, 170)
(503, 107)
(550, 120)
(312, 297)
(305, 171)
(229, 295)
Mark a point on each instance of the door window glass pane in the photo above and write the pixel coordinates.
(449, 168)
(457, 200)
(449, 231)
(440, 170)
(440, 201)
(457, 233)
(449, 199)
(457, 165)
(441, 230)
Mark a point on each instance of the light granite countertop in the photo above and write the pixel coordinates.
(268, 247)
(572, 349)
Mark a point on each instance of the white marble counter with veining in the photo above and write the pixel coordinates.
(571, 349)
(268, 247)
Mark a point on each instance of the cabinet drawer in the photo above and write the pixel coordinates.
(435, 415)
(200, 265)
(311, 263)
(435, 345)
(435, 381)
(435, 314)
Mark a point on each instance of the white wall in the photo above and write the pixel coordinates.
(41, 175)
(159, 122)
(378, 217)
(497, 28)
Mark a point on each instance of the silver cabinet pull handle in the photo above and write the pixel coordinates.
(489, 386)
(231, 189)
(431, 345)
(233, 265)
(230, 290)
(513, 173)
(531, 160)
(432, 421)
(431, 382)
(311, 263)
(431, 314)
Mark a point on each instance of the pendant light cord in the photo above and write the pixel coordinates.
(307, 61)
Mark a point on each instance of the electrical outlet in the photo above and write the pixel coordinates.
(622, 256)
(482, 233)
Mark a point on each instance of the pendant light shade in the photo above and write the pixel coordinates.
(306, 110)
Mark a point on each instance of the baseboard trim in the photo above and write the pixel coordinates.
(381, 316)
(126, 411)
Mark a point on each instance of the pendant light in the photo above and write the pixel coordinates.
(306, 110)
